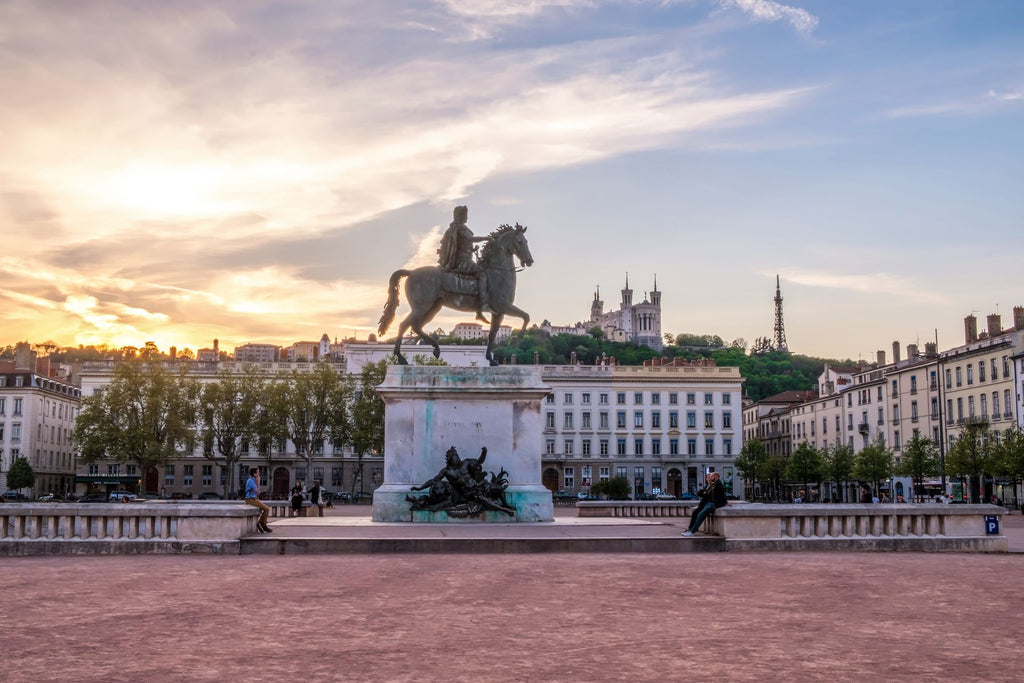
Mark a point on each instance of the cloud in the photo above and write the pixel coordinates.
(767, 10)
(879, 283)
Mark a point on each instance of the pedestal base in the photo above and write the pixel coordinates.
(532, 504)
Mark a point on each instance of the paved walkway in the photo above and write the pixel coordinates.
(557, 617)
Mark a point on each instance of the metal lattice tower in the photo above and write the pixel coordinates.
(780, 328)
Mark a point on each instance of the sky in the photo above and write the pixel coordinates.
(254, 171)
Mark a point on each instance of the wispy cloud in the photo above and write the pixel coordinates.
(767, 10)
(891, 285)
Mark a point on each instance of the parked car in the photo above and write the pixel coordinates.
(210, 495)
(563, 495)
(119, 496)
(47, 498)
(16, 497)
(338, 497)
(664, 496)
(94, 498)
(688, 496)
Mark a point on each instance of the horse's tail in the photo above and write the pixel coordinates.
(388, 316)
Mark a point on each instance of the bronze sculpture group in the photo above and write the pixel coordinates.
(462, 283)
(462, 488)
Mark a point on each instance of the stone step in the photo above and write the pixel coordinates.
(282, 545)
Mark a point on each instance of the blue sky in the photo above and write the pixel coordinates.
(254, 171)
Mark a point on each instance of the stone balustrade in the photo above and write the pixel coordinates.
(932, 527)
(635, 508)
(118, 528)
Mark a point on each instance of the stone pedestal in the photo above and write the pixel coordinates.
(429, 409)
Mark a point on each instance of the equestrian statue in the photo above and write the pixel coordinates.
(462, 283)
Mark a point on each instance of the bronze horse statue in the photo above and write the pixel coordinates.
(430, 288)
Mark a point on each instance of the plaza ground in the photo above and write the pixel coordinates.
(547, 617)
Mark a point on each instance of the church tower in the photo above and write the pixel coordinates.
(596, 306)
(627, 295)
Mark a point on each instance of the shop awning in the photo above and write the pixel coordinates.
(107, 479)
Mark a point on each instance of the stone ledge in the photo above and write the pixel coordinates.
(36, 547)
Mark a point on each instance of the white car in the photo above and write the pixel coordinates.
(119, 496)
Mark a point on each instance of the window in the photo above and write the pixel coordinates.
(992, 367)
(604, 399)
(620, 398)
(567, 421)
(709, 399)
(3, 406)
(620, 446)
(879, 392)
(568, 447)
(655, 398)
(824, 426)
(655, 420)
(726, 420)
(586, 399)
(586, 448)
(959, 376)
(913, 384)
(207, 472)
(726, 399)
(984, 405)
(691, 399)
(549, 421)
(673, 420)
(995, 403)
(604, 447)
(691, 419)
(638, 398)
(673, 399)
(638, 419)
(727, 446)
(981, 371)
(896, 440)
(549, 446)
(949, 377)
(567, 399)
(189, 472)
(970, 373)
(970, 406)
(691, 446)
(709, 446)
(337, 475)
(838, 424)
(913, 411)
(656, 477)
(881, 417)
(169, 475)
(709, 420)
(895, 413)
(620, 419)
(655, 446)
(638, 446)
(569, 477)
(603, 422)
(550, 398)
(1006, 403)
(673, 446)
(621, 473)
(603, 473)
(895, 389)
(585, 474)
(586, 421)
(17, 406)
(1006, 367)
(960, 408)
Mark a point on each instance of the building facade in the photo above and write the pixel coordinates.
(661, 427)
(637, 323)
(37, 415)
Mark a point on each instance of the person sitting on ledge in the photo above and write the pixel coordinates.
(711, 498)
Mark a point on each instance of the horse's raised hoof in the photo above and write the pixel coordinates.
(437, 352)
(401, 359)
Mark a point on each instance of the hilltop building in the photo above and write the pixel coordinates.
(636, 323)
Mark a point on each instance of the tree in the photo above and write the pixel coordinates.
(144, 415)
(21, 475)
(920, 459)
(616, 488)
(751, 462)
(873, 463)
(838, 461)
(805, 465)
(314, 408)
(367, 416)
(774, 472)
(970, 455)
(229, 409)
(1008, 455)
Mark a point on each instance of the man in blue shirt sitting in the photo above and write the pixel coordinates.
(252, 497)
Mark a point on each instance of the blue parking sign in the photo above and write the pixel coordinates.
(991, 525)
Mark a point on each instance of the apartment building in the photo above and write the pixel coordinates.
(659, 426)
(37, 414)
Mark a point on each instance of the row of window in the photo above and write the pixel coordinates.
(569, 419)
(16, 406)
(639, 450)
(638, 398)
(959, 371)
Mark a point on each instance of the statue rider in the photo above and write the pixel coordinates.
(456, 255)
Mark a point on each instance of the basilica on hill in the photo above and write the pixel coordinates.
(636, 323)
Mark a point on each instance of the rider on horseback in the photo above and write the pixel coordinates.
(456, 254)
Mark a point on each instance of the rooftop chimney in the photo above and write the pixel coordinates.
(995, 325)
(912, 351)
(24, 357)
(895, 352)
(1018, 317)
(970, 329)
(880, 356)
(931, 349)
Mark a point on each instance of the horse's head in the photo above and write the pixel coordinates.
(520, 247)
(508, 241)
